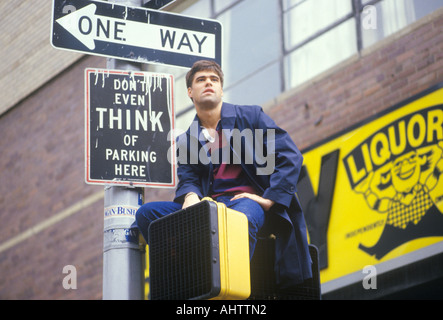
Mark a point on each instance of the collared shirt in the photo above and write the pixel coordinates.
(228, 178)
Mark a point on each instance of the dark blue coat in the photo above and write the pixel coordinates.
(285, 219)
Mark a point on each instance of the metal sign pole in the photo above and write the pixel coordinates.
(123, 254)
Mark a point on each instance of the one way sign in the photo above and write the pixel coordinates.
(132, 33)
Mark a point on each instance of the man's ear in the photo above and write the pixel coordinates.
(190, 93)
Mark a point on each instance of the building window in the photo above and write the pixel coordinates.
(393, 15)
(318, 35)
(251, 51)
(304, 19)
(272, 46)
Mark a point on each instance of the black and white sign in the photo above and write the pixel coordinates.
(129, 125)
(132, 33)
(158, 4)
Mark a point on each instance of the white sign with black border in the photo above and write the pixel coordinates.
(137, 34)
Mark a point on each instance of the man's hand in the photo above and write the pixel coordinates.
(190, 199)
(266, 204)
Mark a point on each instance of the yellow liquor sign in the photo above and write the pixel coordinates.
(385, 193)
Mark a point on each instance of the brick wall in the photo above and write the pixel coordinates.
(28, 59)
(42, 156)
(42, 170)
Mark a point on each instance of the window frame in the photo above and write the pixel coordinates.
(356, 13)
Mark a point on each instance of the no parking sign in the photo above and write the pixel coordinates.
(129, 120)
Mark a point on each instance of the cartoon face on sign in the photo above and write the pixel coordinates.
(406, 170)
(398, 172)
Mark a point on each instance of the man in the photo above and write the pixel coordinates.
(226, 154)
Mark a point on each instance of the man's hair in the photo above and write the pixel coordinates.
(203, 65)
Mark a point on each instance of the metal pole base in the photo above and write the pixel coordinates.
(123, 252)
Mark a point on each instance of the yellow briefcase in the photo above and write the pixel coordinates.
(201, 252)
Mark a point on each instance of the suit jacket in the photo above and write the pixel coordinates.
(285, 219)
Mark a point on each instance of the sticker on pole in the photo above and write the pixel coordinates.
(129, 121)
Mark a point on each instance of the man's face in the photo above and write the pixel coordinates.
(206, 90)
